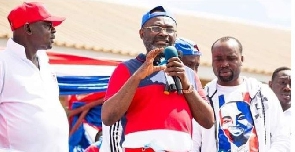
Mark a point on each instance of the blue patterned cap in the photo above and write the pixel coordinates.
(153, 13)
(187, 47)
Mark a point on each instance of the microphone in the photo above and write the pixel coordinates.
(169, 52)
(170, 84)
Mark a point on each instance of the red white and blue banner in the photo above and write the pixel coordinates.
(82, 75)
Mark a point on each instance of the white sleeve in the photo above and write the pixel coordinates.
(279, 129)
(112, 137)
(197, 136)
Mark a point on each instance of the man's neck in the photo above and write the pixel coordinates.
(286, 106)
(33, 58)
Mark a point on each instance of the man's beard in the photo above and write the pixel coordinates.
(158, 58)
(226, 78)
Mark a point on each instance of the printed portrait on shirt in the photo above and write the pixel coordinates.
(236, 127)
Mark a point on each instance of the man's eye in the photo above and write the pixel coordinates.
(217, 59)
(283, 83)
(156, 29)
(48, 26)
(232, 58)
(169, 30)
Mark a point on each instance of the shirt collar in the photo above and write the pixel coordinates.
(288, 111)
(16, 48)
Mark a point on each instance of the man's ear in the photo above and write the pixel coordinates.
(140, 33)
(270, 84)
(27, 29)
(242, 60)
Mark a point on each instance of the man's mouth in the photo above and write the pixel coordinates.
(225, 73)
(286, 96)
(52, 39)
(162, 43)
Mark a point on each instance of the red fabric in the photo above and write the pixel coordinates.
(158, 111)
(117, 80)
(138, 150)
(92, 148)
(30, 12)
(72, 98)
(93, 97)
(58, 58)
(88, 98)
(149, 112)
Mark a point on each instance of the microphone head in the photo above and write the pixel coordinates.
(170, 51)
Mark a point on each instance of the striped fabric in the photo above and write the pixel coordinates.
(154, 119)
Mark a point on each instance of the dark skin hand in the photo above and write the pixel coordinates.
(201, 111)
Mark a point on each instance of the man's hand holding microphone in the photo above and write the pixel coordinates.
(172, 65)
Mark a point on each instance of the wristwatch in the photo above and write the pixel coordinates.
(189, 90)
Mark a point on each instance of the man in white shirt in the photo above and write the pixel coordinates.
(247, 113)
(32, 118)
(281, 85)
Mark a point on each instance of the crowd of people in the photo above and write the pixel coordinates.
(142, 109)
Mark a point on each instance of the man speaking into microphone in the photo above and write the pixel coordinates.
(156, 121)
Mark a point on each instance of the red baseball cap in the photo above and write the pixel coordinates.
(30, 12)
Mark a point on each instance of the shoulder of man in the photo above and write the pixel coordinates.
(254, 85)
(210, 87)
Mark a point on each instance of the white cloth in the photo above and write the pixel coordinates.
(273, 137)
(288, 117)
(31, 116)
(288, 114)
(111, 138)
(201, 136)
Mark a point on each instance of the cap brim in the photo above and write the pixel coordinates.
(198, 53)
(55, 20)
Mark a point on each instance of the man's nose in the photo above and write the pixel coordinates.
(224, 63)
(53, 29)
(287, 87)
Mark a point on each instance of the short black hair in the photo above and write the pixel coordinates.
(226, 38)
(275, 73)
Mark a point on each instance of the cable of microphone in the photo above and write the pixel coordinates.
(178, 84)
(169, 52)
(170, 83)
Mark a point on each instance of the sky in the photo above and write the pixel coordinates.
(273, 13)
